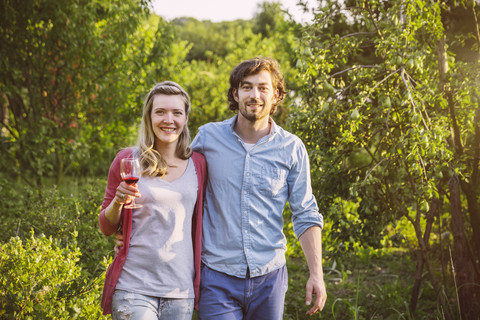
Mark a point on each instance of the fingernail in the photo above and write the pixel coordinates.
(308, 303)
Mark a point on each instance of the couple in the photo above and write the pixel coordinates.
(254, 168)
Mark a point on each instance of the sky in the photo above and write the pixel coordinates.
(221, 10)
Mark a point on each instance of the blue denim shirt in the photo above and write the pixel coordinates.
(246, 194)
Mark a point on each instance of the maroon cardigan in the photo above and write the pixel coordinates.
(114, 270)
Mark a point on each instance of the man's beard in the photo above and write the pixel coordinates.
(253, 116)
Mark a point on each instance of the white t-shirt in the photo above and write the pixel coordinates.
(249, 146)
(160, 257)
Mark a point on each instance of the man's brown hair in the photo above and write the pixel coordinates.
(251, 67)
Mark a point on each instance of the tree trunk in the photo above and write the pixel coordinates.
(463, 269)
(422, 257)
(4, 115)
(474, 213)
(463, 260)
(471, 188)
(418, 282)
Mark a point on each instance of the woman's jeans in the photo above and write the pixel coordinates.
(133, 306)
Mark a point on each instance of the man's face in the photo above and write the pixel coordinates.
(255, 96)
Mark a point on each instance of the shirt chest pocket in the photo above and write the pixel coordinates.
(270, 181)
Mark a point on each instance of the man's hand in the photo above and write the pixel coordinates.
(311, 241)
(118, 241)
(315, 287)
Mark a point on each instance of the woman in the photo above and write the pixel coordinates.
(156, 273)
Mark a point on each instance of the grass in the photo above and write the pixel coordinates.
(369, 284)
(363, 284)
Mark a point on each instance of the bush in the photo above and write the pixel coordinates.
(67, 219)
(59, 213)
(38, 280)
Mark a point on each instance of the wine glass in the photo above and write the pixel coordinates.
(130, 173)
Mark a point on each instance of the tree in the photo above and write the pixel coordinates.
(268, 18)
(207, 37)
(65, 77)
(205, 74)
(390, 127)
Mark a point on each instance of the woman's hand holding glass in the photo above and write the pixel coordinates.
(127, 190)
(125, 193)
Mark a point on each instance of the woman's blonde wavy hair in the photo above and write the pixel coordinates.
(152, 162)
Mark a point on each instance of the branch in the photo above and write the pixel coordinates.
(476, 25)
(388, 113)
(350, 69)
(352, 35)
(476, 156)
(458, 147)
(9, 129)
(415, 107)
(376, 165)
(384, 79)
(357, 34)
(373, 20)
(410, 79)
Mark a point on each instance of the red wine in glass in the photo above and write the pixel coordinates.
(130, 180)
(130, 173)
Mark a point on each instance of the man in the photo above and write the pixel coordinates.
(254, 168)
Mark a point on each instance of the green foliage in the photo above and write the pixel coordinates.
(380, 121)
(38, 281)
(64, 267)
(224, 45)
(386, 123)
(206, 37)
(269, 19)
(377, 127)
(64, 71)
(365, 284)
(59, 215)
(366, 125)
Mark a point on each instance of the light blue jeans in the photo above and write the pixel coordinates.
(133, 306)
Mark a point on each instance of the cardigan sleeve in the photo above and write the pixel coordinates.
(201, 169)
(114, 179)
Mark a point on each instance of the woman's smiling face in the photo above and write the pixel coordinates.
(168, 118)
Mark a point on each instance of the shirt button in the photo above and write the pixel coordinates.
(245, 211)
(248, 174)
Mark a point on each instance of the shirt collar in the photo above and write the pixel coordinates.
(273, 128)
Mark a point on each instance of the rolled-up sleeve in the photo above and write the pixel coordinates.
(301, 200)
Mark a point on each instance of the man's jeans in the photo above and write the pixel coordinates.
(224, 297)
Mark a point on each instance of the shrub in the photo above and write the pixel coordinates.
(58, 213)
(40, 280)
